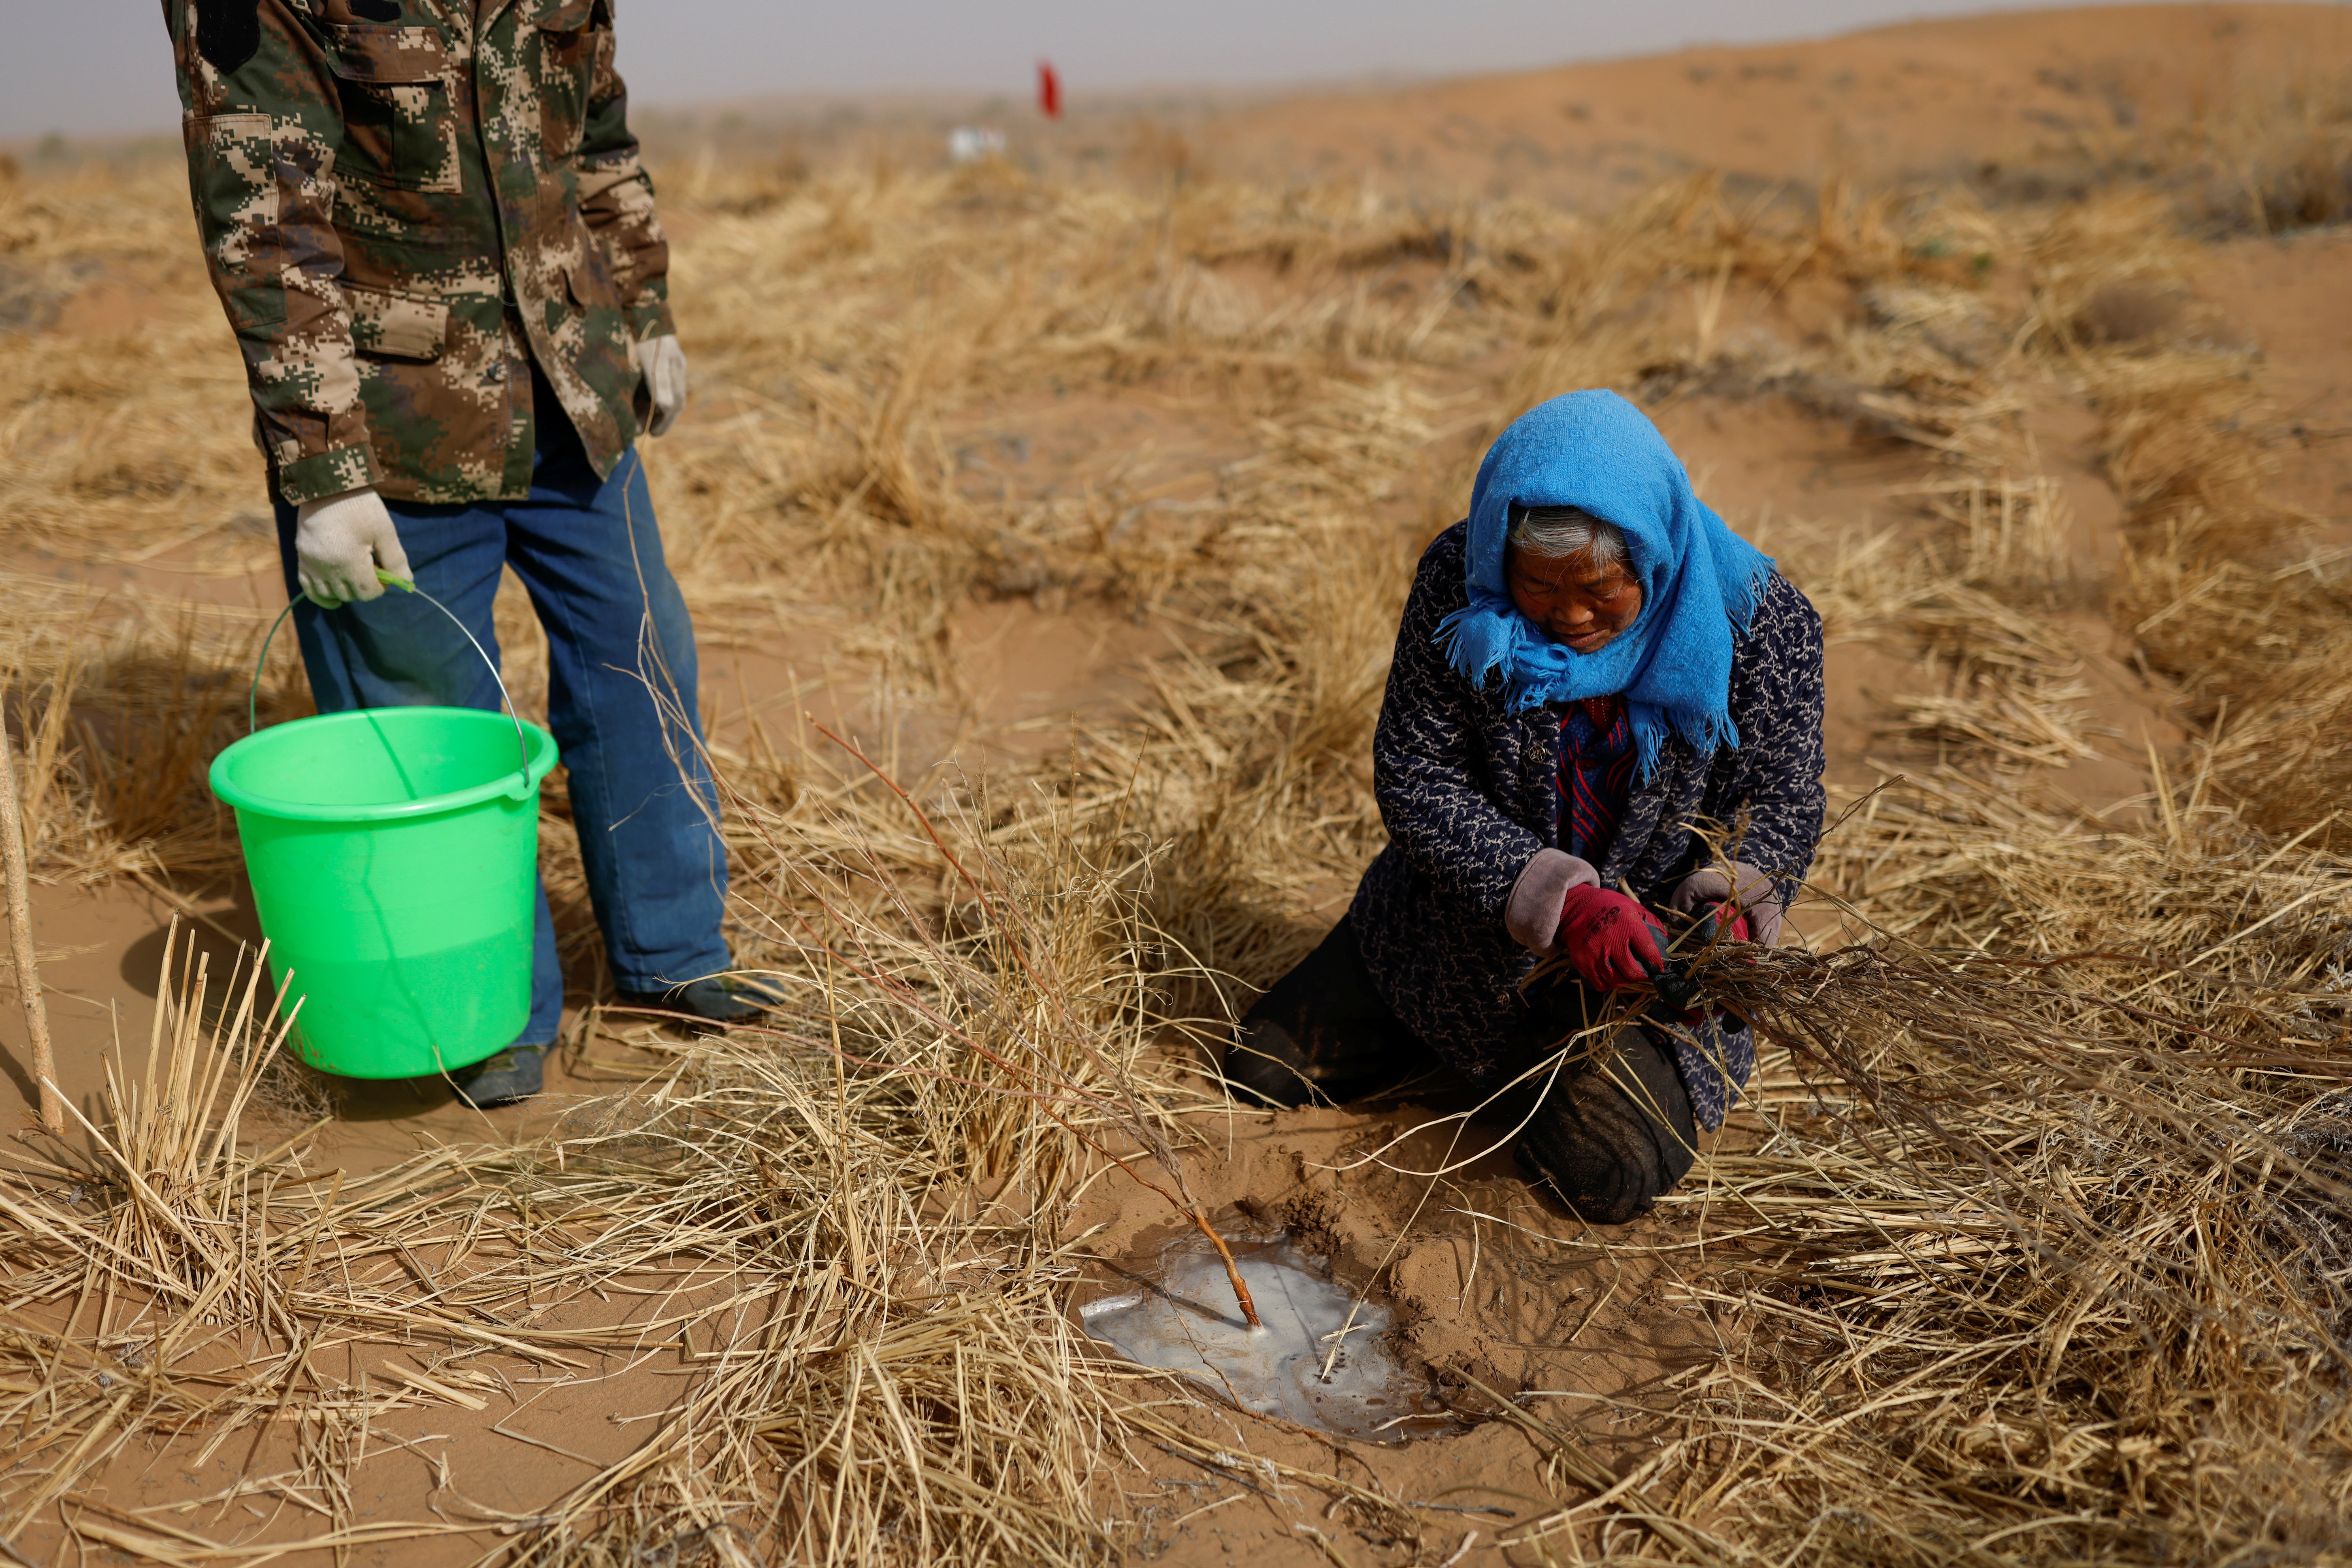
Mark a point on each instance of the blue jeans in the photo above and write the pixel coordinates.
(589, 553)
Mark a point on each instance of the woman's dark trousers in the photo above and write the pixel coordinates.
(1610, 1130)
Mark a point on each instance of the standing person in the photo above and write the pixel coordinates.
(1593, 668)
(427, 221)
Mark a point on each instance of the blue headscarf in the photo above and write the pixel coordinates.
(1700, 581)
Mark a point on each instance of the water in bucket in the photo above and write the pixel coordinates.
(393, 855)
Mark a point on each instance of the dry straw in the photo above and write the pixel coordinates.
(25, 965)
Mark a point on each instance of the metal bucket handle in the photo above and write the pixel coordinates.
(253, 692)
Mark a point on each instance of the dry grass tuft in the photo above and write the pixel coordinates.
(2047, 1229)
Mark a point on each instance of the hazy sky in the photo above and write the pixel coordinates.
(95, 66)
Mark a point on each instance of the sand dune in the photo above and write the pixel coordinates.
(2016, 104)
(2000, 100)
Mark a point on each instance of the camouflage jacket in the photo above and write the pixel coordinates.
(406, 203)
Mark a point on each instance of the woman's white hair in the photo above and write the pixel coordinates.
(1569, 530)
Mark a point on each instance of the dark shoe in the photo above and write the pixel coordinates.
(716, 1000)
(1322, 1032)
(516, 1073)
(1266, 1065)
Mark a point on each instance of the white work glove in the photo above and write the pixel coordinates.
(339, 542)
(664, 364)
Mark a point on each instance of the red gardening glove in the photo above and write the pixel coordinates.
(1729, 918)
(1611, 939)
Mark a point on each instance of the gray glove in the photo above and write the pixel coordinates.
(1532, 915)
(339, 542)
(664, 365)
(1759, 896)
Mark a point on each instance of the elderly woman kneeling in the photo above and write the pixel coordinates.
(1593, 673)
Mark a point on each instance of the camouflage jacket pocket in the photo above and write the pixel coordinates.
(598, 319)
(233, 177)
(396, 326)
(398, 129)
(593, 337)
(565, 68)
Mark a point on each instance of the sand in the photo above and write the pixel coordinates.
(1493, 1287)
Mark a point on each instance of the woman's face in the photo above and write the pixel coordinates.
(1576, 602)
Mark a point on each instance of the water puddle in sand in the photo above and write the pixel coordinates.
(1182, 1318)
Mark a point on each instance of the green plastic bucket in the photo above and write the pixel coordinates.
(393, 854)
